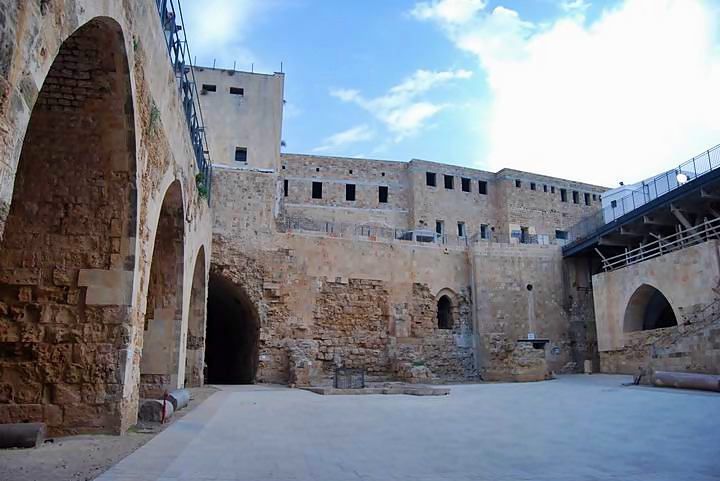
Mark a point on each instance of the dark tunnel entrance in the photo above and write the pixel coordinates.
(231, 349)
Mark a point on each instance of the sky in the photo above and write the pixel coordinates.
(594, 91)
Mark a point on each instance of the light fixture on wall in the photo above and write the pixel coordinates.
(681, 178)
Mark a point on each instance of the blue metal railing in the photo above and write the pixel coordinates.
(173, 26)
(648, 191)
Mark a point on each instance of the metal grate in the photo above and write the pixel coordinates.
(349, 378)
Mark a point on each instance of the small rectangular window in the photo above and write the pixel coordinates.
(439, 227)
(237, 91)
(594, 196)
(545, 188)
(208, 88)
(465, 184)
(383, 194)
(552, 189)
(518, 184)
(532, 185)
(430, 179)
(613, 203)
(449, 182)
(561, 234)
(350, 192)
(285, 187)
(576, 197)
(461, 229)
(563, 195)
(317, 190)
(240, 154)
(484, 231)
(483, 187)
(587, 199)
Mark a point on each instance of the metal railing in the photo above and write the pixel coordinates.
(173, 25)
(710, 229)
(650, 190)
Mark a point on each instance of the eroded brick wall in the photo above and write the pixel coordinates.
(68, 232)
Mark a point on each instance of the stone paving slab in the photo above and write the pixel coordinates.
(575, 428)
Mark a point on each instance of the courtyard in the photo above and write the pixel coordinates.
(570, 429)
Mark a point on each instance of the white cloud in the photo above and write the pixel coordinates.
(361, 133)
(217, 29)
(575, 5)
(451, 11)
(626, 96)
(399, 109)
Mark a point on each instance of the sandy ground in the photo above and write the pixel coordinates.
(82, 458)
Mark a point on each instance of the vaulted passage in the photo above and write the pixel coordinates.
(231, 350)
(648, 309)
(196, 325)
(67, 255)
(159, 367)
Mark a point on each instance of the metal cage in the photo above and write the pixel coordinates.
(349, 378)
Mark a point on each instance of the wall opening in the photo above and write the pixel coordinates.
(444, 313)
(232, 340)
(159, 365)
(648, 309)
(195, 345)
(67, 254)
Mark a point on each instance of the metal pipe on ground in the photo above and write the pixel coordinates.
(22, 435)
(687, 380)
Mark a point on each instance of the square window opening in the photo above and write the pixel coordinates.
(532, 186)
(561, 234)
(350, 192)
(465, 184)
(237, 91)
(552, 189)
(430, 179)
(518, 184)
(449, 182)
(208, 88)
(317, 190)
(484, 231)
(240, 154)
(563, 195)
(576, 197)
(587, 199)
(483, 187)
(383, 194)
(439, 227)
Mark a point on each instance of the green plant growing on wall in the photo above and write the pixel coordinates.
(154, 115)
(136, 44)
(201, 185)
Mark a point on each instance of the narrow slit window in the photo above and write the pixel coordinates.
(532, 186)
(563, 195)
(552, 189)
(383, 194)
(545, 188)
(465, 184)
(576, 197)
(350, 192)
(285, 187)
(461, 229)
(518, 183)
(317, 190)
(587, 199)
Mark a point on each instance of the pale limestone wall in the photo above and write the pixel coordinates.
(430, 204)
(252, 120)
(687, 278)
(162, 154)
(336, 173)
(507, 311)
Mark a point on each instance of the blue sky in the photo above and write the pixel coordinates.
(596, 91)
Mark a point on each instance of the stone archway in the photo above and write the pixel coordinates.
(648, 309)
(444, 313)
(233, 329)
(162, 337)
(195, 347)
(67, 254)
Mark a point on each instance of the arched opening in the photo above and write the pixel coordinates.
(195, 346)
(232, 346)
(648, 309)
(163, 314)
(444, 313)
(67, 254)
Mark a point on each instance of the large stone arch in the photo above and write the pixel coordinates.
(647, 309)
(197, 320)
(68, 249)
(232, 342)
(163, 327)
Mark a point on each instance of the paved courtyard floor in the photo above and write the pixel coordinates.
(574, 428)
